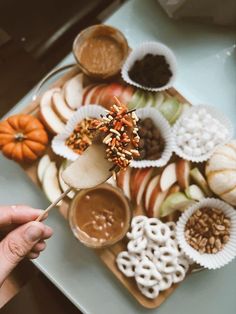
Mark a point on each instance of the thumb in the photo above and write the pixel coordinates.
(17, 244)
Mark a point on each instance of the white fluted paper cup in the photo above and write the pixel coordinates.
(219, 116)
(227, 253)
(165, 130)
(138, 53)
(59, 141)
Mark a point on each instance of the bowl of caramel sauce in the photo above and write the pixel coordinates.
(99, 217)
(100, 51)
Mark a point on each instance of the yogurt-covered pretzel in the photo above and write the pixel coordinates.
(149, 292)
(168, 254)
(136, 232)
(146, 273)
(137, 245)
(166, 282)
(126, 263)
(157, 231)
(138, 220)
(179, 274)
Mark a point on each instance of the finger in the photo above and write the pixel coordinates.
(39, 247)
(33, 255)
(17, 214)
(48, 232)
(18, 243)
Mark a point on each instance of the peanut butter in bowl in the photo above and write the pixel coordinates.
(100, 216)
(100, 51)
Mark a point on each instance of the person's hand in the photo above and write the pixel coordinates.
(24, 236)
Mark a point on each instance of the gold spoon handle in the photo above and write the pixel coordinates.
(52, 205)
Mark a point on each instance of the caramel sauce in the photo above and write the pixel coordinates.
(100, 214)
(100, 53)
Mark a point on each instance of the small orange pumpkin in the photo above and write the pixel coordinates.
(22, 138)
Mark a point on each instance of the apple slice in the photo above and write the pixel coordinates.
(150, 99)
(173, 189)
(142, 181)
(156, 199)
(113, 89)
(142, 100)
(89, 170)
(96, 95)
(127, 94)
(47, 114)
(123, 181)
(42, 166)
(199, 179)
(151, 186)
(194, 192)
(73, 91)
(171, 109)
(62, 183)
(173, 202)
(158, 99)
(50, 183)
(183, 173)
(168, 177)
(60, 107)
(111, 181)
(133, 104)
(86, 90)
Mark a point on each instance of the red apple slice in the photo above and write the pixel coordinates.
(86, 90)
(60, 107)
(113, 89)
(126, 94)
(151, 186)
(168, 177)
(123, 181)
(47, 114)
(183, 173)
(73, 91)
(95, 97)
(156, 199)
(142, 181)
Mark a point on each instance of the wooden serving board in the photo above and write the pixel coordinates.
(108, 255)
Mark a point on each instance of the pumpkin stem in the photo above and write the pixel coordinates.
(19, 137)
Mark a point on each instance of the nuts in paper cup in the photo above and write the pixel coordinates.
(154, 48)
(165, 130)
(58, 143)
(209, 260)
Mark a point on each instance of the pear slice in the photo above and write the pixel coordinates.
(63, 185)
(60, 107)
(173, 202)
(42, 166)
(89, 170)
(73, 91)
(50, 183)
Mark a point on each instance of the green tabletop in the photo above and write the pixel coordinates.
(206, 74)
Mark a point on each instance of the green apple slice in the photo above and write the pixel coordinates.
(171, 109)
(194, 192)
(150, 99)
(173, 202)
(62, 183)
(135, 100)
(199, 179)
(158, 99)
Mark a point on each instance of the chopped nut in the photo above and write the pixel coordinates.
(209, 233)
